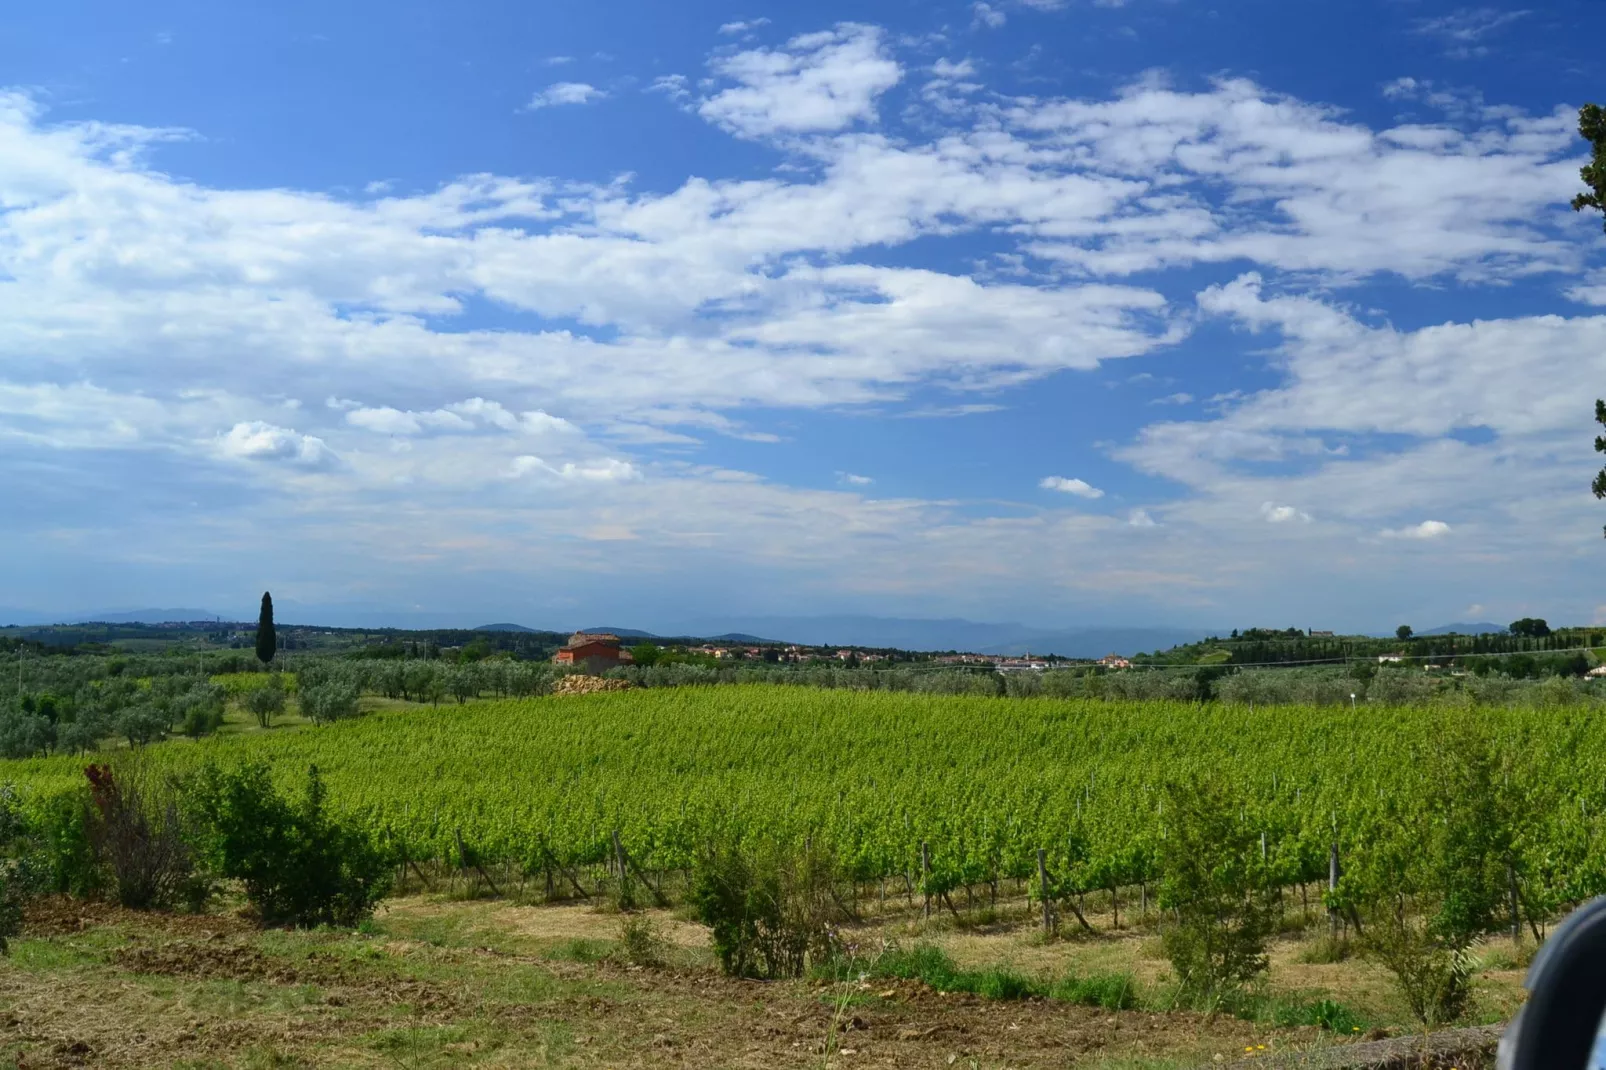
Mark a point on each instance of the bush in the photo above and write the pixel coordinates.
(642, 943)
(770, 911)
(17, 875)
(65, 830)
(1214, 881)
(1436, 875)
(140, 838)
(299, 864)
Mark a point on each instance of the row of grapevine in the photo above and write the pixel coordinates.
(984, 783)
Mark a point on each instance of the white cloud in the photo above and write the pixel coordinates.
(561, 93)
(1179, 398)
(461, 417)
(140, 312)
(987, 15)
(261, 441)
(743, 26)
(1428, 529)
(820, 82)
(601, 470)
(1078, 487)
(1462, 30)
(854, 480)
(1282, 514)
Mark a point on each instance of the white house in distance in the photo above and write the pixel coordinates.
(1115, 661)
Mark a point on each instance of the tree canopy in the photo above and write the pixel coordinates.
(267, 639)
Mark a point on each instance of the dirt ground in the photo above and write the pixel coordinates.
(434, 982)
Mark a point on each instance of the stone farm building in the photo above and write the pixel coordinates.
(592, 651)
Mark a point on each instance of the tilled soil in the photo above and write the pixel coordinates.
(144, 1007)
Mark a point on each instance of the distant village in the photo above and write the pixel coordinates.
(602, 650)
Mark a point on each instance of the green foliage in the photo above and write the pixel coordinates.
(267, 638)
(329, 702)
(641, 942)
(1403, 632)
(1592, 128)
(1218, 887)
(18, 877)
(266, 702)
(65, 827)
(1439, 875)
(1323, 1013)
(298, 863)
(769, 910)
(1111, 991)
(931, 966)
(1529, 628)
(201, 710)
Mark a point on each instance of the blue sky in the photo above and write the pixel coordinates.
(1060, 312)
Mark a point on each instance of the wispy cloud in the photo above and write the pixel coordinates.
(853, 480)
(1463, 30)
(743, 25)
(561, 93)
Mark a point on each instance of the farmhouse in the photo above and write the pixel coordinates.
(1115, 661)
(594, 651)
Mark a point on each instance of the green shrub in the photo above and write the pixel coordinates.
(769, 910)
(642, 943)
(64, 827)
(1215, 882)
(299, 864)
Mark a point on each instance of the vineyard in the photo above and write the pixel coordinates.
(982, 784)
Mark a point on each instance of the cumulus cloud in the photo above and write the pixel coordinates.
(265, 442)
(1078, 487)
(185, 321)
(1428, 529)
(1282, 514)
(561, 93)
(819, 82)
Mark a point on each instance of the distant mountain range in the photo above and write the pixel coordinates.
(121, 616)
(1465, 628)
(955, 633)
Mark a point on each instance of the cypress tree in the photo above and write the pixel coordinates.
(267, 640)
